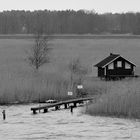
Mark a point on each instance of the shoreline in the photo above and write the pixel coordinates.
(72, 36)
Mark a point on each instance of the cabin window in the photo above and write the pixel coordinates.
(119, 64)
(111, 66)
(127, 66)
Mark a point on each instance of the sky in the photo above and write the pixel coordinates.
(100, 6)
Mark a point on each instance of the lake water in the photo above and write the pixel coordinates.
(21, 124)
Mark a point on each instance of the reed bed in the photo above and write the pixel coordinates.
(122, 99)
(38, 88)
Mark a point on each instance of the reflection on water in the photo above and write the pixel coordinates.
(62, 125)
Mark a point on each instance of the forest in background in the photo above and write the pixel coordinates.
(68, 22)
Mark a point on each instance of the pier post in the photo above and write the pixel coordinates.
(45, 110)
(71, 109)
(75, 104)
(65, 105)
(57, 107)
(34, 111)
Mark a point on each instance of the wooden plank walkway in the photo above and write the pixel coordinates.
(57, 105)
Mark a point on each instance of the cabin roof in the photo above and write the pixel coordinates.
(109, 59)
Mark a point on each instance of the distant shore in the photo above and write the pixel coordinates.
(73, 36)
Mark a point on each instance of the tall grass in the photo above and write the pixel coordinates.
(37, 88)
(122, 99)
(19, 84)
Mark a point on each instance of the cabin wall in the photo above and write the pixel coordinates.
(120, 70)
(100, 72)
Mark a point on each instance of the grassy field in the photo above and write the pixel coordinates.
(18, 82)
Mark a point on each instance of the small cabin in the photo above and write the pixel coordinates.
(115, 67)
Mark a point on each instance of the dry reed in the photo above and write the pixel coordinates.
(122, 99)
(37, 88)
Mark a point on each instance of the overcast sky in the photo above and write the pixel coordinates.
(100, 6)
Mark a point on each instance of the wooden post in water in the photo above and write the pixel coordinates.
(65, 105)
(34, 111)
(4, 114)
(71, 109)
(75, 104)
(45, 110)
(57, 107)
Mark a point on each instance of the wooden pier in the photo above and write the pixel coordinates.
(58, 104)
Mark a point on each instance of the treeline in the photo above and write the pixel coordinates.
(68, 22)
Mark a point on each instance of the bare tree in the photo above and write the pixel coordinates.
(39, 53)
(77, 70)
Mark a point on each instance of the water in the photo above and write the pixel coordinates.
(21, 124)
